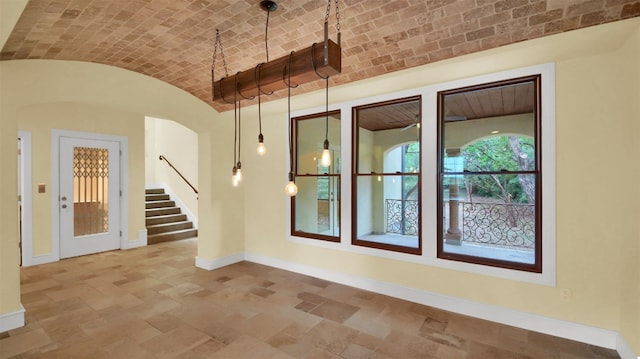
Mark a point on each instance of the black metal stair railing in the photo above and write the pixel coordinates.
(163, 158)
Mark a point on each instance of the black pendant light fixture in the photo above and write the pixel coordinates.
(234, 177)
(262, 149)
(268, 6)
(329, 62)
(290, 189)
(271, 76)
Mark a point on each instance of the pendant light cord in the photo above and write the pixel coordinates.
(326, 102)
(326, 109)
(289, 119)
(239, 131)
(235, 121)
(266, 33)
(258, 68)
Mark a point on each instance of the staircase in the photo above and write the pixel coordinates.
(164, 221)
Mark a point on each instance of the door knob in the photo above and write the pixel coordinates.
(64, 206)
(63, 198)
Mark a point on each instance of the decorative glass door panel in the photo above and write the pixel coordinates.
(89, 197)
(90, 190)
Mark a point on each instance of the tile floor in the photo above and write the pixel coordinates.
(152, 302)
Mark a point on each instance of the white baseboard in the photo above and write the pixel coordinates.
(574, 331)
(41, 259)
(140, 242)
(209, 264)
(12, 320)
(624, 349)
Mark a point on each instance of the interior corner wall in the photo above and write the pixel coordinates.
(10, 11)
(630, 245)
(221, 206)
(9, 250)
(596, 157)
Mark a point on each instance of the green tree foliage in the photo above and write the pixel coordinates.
(500, 154)
(411, 164)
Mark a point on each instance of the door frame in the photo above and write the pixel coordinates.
(55, 184)
(26, 195)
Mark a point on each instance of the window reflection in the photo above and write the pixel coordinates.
(386, 185)
(316, 207)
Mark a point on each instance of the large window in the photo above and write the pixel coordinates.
(316, 207)
(448, 175)
(386, 176)
(489, 187)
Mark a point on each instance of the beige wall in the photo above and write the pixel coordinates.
(596, 124)
(9, 255)
(597, 231)
(10, 10)
(629, 249)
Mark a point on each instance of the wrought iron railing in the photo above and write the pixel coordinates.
(499, 224)
(506, 225)
(402, 216)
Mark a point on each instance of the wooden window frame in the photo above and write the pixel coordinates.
(293, 231)
(355, 174)
(536, 267)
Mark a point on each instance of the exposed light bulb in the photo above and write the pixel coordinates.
(234, 178)
(261, 147)
(325, 160)
(291, 189)
(239, 172)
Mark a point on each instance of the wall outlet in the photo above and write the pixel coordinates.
(565, 295)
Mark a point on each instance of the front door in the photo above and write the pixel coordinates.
(89, 201)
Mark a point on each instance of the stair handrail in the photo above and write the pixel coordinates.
(163, 158)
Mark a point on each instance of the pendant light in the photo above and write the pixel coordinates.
(325, 160)
(267, 6)
(273, 69)
(262, 150)
(234, 175)
(290, 189)
(239, 164)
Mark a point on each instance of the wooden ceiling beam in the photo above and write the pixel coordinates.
(273, 74)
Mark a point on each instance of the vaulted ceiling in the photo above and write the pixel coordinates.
(173, 40)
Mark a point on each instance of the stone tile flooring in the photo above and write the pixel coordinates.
(152, 302)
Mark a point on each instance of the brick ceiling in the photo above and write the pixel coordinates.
(173, 40)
